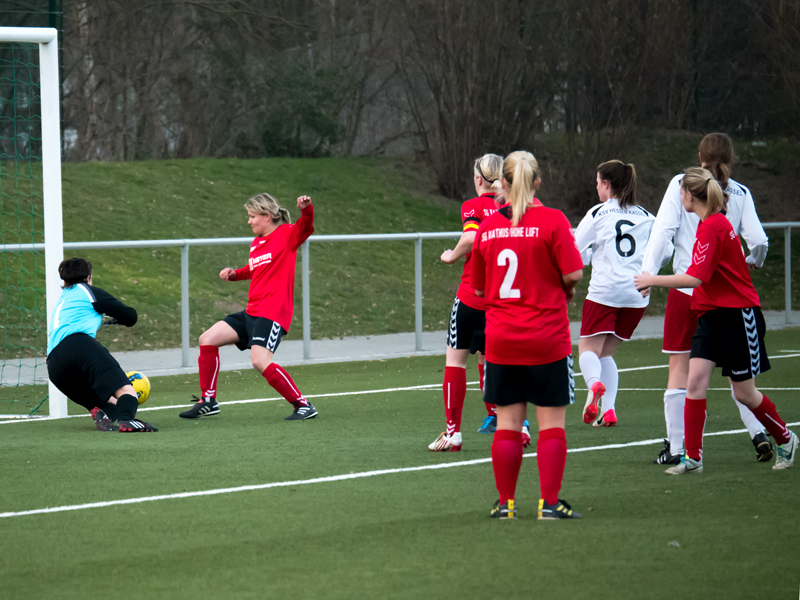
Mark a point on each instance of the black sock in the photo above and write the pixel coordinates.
(110, 410)
(126, 407)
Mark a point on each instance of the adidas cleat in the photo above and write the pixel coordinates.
(135, 425)
(203, 407)
(607, 419)
(301, 413)
(446, 443)
(526, 434)
(786, 453)
(554, 512)
(764, 450)
(504, 511)
(101, 420)
(687, 465)
(665, 458)
(591, 408)
(489, 425)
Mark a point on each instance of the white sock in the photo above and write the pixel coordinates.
(674, 401)
(750, 421)
(610, 378)
(590, 367)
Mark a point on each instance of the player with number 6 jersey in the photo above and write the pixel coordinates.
(612, 237)
(675, 224)
(526, 265)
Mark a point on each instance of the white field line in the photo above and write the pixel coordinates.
(24, 419)
(362, 475)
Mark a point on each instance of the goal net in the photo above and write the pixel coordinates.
(30, 218)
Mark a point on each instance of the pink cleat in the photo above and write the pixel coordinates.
(591, 409)
(607, 419)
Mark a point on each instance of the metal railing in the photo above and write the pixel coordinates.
(185, 244)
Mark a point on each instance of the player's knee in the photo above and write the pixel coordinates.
(260, 363)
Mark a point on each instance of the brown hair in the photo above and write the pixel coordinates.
(520, 170)
(702, 185)
(622, 178)
(74, 270)
(716, 153)
(264, 204)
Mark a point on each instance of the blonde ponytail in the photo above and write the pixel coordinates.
(520, 170)
(489, 167)
(264, 204)
(700, 183)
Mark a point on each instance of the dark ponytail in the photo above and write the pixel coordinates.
(622, 179)
(716, 154)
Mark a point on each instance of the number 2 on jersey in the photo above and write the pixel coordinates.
(508, 257)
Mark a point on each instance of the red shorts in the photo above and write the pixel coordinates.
(619, 321)
(680, 323)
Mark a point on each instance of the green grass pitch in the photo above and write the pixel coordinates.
(730, 532)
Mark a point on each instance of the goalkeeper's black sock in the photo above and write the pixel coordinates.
(126, 407)
(111, 410)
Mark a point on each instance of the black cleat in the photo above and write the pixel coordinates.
(203, 407)
(504, 511)
(764, 450)
(135, 425)
(553, 512)
(301, 413)
(665, 458)
(101, 420)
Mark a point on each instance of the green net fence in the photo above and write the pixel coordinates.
(23, 311)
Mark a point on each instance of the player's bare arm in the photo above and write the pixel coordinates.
(646, 280)
(463, 247)
(303, 202)
(569, 281)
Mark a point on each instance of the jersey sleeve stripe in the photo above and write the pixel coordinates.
(88, 292)
(470, 226)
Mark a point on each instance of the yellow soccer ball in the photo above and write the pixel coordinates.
(140, 383)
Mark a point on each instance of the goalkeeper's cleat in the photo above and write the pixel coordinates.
(489, 425)
(554, 512)
(526, 434)
(764, 450)
(590, 410)
(203, 407)
(135, 425)
(101, 420)
(665, 458)
(446, 443)
(504, 511)
(687, 465)
(607, 419)
(786, 453)
(301, 413)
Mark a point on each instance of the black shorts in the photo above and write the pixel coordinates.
(466, 328)
(255, 331)
(551, 384)
(734, 339)
(84, 370)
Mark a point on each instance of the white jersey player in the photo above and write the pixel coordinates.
(612, 236)
(676, 226)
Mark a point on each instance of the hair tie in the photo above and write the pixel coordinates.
(480, 172)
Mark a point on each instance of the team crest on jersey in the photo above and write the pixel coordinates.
(470, 213)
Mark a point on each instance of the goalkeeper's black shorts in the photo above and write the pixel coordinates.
(84, 370)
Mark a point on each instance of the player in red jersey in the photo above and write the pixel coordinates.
(467, 319)
(526, 263)
(273, 256)
(730, 327)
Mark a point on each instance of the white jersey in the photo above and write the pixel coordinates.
(614, 239)
(675, 225)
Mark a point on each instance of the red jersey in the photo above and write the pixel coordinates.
(473, 213)
(271, 270)
(718, 260)
(520, 269)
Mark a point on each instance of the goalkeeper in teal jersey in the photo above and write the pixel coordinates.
(80, 366)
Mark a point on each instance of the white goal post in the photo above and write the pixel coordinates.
(47, 38)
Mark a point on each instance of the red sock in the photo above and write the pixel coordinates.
(766, 413)
(506, 462)
(694, 422)
(208, 365)
(480, 374)
(491, 409)
(283, 384)
(551, 456)
(454, 390)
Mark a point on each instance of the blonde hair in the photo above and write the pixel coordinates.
(264, 204)
(489, 167)
(520, 170)
(716, 153)
(622, 179)
(700, 183)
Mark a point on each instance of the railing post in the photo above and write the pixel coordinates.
(185, 360)
(306, 305)
(787, 265)
(418, 291)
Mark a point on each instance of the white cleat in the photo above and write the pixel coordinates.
(687, 465)
(446, 443)
(786, 453)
